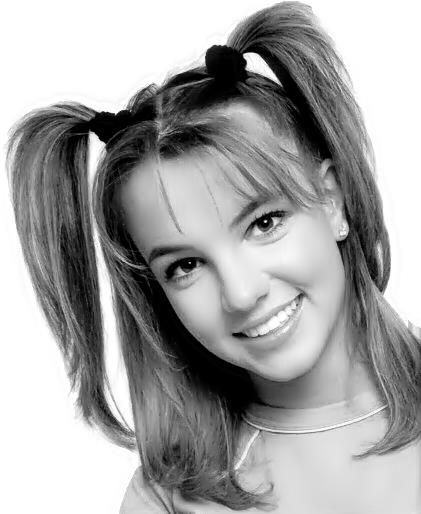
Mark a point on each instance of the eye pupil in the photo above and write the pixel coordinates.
(184, 264)
(268, 221)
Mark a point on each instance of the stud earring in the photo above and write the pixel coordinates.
(343, 232)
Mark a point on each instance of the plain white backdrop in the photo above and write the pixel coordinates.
(100, 53)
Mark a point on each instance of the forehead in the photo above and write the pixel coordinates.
(197, 191)
(197, 187)
(250, 119)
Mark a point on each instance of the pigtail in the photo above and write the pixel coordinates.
(48, 179)
(301, 54)
(289, 38)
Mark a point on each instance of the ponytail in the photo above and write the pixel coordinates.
(303, 57)
(47, 166)
(301, 54)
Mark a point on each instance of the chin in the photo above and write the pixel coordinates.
(285, 368)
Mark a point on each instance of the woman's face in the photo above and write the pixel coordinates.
(225, 273)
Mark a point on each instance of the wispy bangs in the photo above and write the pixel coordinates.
(253, 165)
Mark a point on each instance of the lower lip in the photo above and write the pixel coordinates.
(279, 335)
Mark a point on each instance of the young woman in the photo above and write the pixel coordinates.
(243, 232)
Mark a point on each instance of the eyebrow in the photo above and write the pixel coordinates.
(246, 210)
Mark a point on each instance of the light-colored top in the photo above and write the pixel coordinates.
(312, 470)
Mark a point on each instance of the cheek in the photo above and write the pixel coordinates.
(196, 308)
(322, 268)
(316, 252)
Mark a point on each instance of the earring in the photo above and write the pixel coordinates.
(343, 232)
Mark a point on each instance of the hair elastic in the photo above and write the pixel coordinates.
(225, 64)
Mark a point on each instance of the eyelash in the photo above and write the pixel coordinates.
(169, 273)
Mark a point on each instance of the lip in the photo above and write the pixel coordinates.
(278, 335)
(265, 318)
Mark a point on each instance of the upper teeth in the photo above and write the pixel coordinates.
(274, 322)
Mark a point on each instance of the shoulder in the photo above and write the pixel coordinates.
(139, 497)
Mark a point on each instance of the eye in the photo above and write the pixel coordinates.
(186, 265)
(189, 264)
(265, 223)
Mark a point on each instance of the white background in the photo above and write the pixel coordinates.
(100, 53)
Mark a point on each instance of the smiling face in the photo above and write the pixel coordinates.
(224, 272)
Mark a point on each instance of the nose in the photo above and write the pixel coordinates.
(242, 284)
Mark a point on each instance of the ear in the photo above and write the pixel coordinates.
(334, 208)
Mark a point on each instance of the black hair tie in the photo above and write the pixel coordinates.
(106, 124)
(225, 64)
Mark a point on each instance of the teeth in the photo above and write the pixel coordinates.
(251, 333)
(282, 316)
(273, 323)
(276, 321)
(289, 310)
(262, 331)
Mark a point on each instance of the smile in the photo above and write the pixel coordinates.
(277, 321)
(278, 327)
